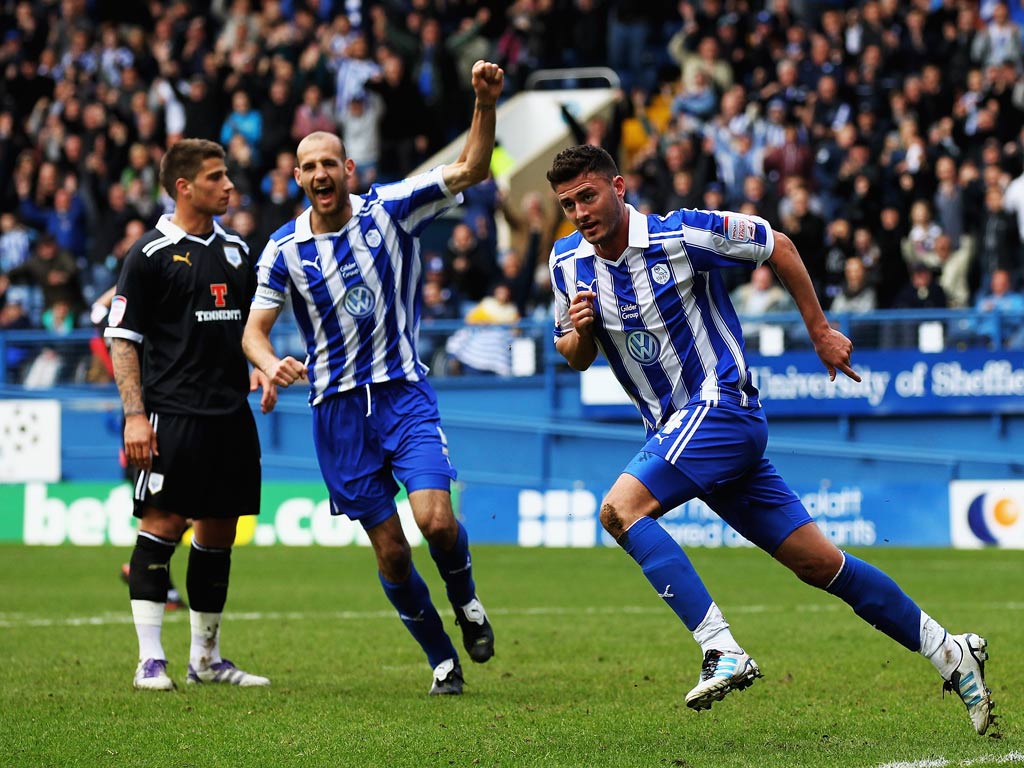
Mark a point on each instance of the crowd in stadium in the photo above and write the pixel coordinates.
(884, 138)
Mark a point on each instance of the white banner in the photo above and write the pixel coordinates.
(986, 513)
(29, 441)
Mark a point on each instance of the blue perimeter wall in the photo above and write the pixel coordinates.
(534, 462)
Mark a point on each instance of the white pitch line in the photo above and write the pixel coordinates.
(941, 762)
(23, 620)
(20, 620)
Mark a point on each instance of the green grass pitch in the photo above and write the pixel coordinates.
(591, 668)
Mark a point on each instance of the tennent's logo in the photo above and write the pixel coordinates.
(219, 291)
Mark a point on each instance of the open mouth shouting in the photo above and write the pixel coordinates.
(324, 195)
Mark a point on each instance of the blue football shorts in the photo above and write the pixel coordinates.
(716, 453)
(369, 436)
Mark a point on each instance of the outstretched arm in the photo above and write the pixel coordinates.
(832, 347)
(260, 351)
(475, 159)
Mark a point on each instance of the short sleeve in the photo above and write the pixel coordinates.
(272, 280)
(127, 317)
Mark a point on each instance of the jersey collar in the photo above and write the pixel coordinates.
(176, 234)
(304, 229)
(639, 236)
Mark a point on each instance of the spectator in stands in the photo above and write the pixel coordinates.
(313, 114)
(485, 345)
(998, 241)
(923, 292)
(54, 270)
(999, 41)
(949, 199)
(242, 121)
(15, 243)
(284, 166)
(856, 295)
(893, 267)
(403, 126)
(919, 245)
(839, 248)
(437, 307)
(954, 270)
(807, 231)
(761, 295)
(360, 130)
(242, 168)
(469, 269)
(276, 119)
(1000, 313)
(866, 249)
(140, 178)
(791, 160)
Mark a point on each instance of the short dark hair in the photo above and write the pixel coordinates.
(584, 158)
(184, 159)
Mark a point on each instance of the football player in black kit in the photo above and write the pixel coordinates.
(175, 327)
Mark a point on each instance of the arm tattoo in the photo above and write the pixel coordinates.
(128, 375)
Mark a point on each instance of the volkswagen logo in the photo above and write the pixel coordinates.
(359, 301)
(643, 347)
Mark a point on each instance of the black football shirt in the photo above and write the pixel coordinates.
(185, 299)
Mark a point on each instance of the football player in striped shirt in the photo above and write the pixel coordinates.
(351, 264)
(646, 292)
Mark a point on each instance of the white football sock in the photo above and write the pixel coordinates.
(713, 634)
(149, 620)
(938, 646)
(205, 648)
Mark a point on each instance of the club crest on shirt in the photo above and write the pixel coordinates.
(660, 274)
(233, 255)
(117, 309)
(739, 229)
(373, 238)
(643, 347)
(359, 301)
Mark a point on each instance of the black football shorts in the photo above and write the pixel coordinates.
(208, 466)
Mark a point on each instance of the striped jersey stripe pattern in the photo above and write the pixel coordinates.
(356, 293)
(664, 320)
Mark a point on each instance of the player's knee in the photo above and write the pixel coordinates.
(612, 519)
(440, 529)
(815, 568)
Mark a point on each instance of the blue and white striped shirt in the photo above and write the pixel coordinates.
(663, 318)
(356, 293)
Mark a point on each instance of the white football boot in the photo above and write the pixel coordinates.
(722, 673)
(968, 680)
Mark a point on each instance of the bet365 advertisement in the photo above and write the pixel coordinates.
(89, 514)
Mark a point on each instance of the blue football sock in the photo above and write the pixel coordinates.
(411, 599)
(878, 600)
(456, 568)
(668, 569)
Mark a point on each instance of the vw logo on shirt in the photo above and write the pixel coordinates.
(359, 301)
(643, 347)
